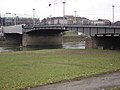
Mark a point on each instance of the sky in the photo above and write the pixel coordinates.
(91, 9)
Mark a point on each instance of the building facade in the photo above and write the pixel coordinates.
(8, 21)
(68, 20)
(101, 22)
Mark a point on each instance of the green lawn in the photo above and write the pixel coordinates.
(33, 68)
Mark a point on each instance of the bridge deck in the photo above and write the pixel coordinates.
(88, 30)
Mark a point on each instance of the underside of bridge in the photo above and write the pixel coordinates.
(43, 39)
(103, 42)
(13, 39)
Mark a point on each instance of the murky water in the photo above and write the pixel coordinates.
(9, 49)
(74, 45)
(66, 45)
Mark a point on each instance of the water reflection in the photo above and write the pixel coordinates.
(3, 49)
(9, 49)
(74, 45)
(66, 45)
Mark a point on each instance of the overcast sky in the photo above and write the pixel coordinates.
(91, 9)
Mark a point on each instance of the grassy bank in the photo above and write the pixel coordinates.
(73, 38)
(33, 68)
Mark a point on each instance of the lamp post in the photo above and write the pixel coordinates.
(33, 17)
(75, 17)
(15, 19)
(50, 19)
(113, 12)
(64, 13)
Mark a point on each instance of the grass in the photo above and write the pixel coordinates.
(33, 68)
(70, 33)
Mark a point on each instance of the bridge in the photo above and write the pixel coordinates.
(97, 36)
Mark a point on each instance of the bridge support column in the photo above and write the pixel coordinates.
(89, 43)
(44, 40)
(13, 39)
(24, 40)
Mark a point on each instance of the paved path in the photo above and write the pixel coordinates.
(100, 82)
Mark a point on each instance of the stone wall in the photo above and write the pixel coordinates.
(88, 42)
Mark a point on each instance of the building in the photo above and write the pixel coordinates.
(8, 21)
(82, 21)
(69, 19)
(100, 22)
(117, 23)
(53, 21)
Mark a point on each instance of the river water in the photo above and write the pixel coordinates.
(66, 45)
(74, 45)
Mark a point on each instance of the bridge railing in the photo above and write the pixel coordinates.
(44, 27)
(49, 27)
(92, 30)
(88, 30)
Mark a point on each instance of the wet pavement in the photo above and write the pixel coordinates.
(99, 82)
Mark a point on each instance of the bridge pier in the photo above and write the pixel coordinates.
(13, 39)
(103, 42)
(88, 42)
(42, 39)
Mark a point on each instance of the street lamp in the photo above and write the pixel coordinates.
(50, 19)
(75, 17)
(64, 12)
(15, 19)
(113, 12)
(33, 17)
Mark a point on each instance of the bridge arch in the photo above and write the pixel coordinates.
(43, 38)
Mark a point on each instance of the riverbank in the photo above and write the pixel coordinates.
(73, 38)
(26, 69)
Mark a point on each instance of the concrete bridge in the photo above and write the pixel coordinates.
(104, 37)
(97, 36)
(32, 36)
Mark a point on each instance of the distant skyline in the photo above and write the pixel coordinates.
(91, 9)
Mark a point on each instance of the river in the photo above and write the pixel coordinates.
(66, 45)
(74, 45)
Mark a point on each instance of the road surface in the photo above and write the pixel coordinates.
(99, 82)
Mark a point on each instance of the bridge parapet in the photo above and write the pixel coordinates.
(88, 30)
(93, 30)
(46, 28)
(13, 29)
